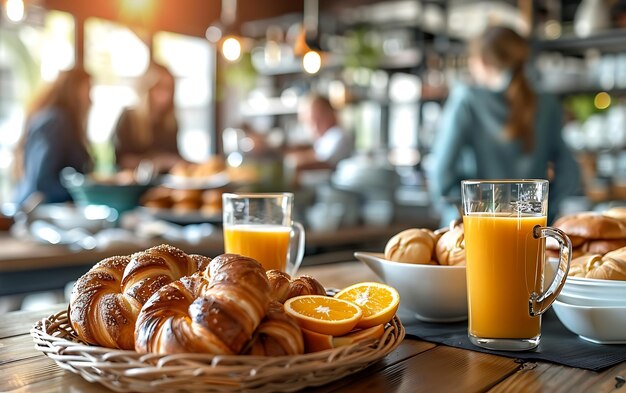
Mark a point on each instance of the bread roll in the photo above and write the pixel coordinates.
(602, 246)
(590, 225)
(186, 206)
(194, 196)
(411, 246)
(617, 212)
(576, 252)
(450, 248)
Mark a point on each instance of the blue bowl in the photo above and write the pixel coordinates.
(84, 191)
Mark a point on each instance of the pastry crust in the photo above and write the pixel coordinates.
(411, 246)
(283, 286)
(216, 311)
(450, 248)
(611, 266)
(106, 300)
(590, 225)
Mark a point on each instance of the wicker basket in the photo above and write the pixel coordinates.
(124, 371)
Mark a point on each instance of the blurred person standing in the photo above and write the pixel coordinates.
(54, 137)
(331, 143)
(501, 128)
(149, 131)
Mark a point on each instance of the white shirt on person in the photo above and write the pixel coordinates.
(333, 146)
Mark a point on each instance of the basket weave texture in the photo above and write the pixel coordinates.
(123, 371)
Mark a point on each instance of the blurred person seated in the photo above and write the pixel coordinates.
(331, 143)
(54, 137)
(149, 131)
(500, 128)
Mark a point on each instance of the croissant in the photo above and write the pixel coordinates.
(277, 335)
(106, 300)
(215, 311)
(611, 266)
(283, 287)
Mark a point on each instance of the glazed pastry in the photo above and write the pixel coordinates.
(105, 302)
(278, 334)
(216, 311)
(411, 246)
(283, 287)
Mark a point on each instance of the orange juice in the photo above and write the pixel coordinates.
(268, 244)
(504, 266)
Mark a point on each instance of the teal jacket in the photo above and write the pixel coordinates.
(470, 144)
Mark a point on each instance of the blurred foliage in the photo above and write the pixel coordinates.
(362, 49)
(240, 74)
(103, 155)
(581, 106)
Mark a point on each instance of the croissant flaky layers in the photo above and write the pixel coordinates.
(105, 302)
(218, 315)
(169, 302)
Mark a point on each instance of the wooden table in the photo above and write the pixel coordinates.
(414, 366)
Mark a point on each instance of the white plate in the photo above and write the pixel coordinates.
(596, 289)
(600, 325)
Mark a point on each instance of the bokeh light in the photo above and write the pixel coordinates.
(602, 100)
(312, 62)
(231, 49)
(15, 10)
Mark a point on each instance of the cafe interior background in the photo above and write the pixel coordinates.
(242, 69)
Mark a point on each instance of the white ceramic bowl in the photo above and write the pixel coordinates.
(611, 290)
(600, 325)
(428, 292)
(590, 301)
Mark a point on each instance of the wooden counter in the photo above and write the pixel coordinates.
(414, 366)
(28, 266)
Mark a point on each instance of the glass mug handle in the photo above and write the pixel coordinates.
(539, 303)
(297, 234)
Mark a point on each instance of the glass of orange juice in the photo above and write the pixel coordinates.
(259, 226)
(505, 231)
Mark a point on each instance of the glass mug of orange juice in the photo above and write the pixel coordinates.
(259, 226)
(505, 231)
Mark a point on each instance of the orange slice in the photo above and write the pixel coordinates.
(379, 302)
(373, 333)
(323, 314)
(315, 342)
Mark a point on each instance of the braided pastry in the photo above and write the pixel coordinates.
(106, 300)
(277, 335)
(283, 287)
(216, 311)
